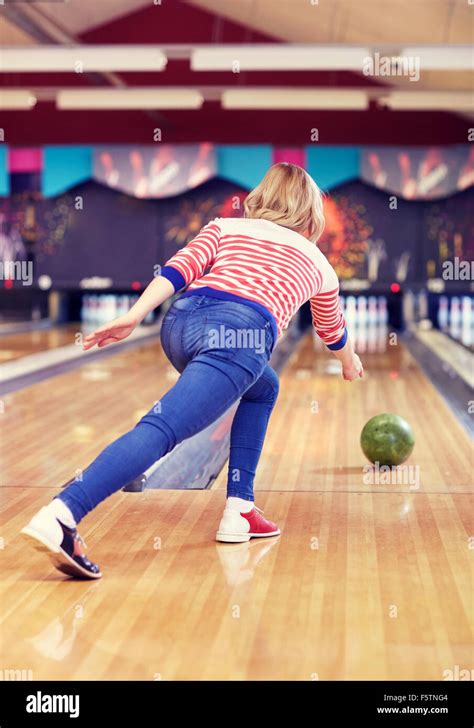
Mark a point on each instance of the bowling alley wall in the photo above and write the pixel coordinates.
(106, 218)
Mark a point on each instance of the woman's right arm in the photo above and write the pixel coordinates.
(330, 326)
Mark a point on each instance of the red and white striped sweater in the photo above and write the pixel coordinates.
(264, 263)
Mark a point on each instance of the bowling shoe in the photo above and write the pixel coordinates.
(236, 527)
(63, 545)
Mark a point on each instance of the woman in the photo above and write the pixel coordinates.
(245, 279)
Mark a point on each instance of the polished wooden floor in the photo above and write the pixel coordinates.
(366, 582)
(60, 424)
(16, 346)
(313, 437)
(359, 586)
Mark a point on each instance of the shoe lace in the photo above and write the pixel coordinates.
(81, 541)
(259, 510)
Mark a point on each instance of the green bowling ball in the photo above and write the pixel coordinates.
(387, 439)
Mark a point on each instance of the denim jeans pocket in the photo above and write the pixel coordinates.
(186, 304)
(165, 332)
(269, 338)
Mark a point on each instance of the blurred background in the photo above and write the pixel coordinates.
(127, 126)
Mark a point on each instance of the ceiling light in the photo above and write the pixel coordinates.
(81, 59)
(136, 98)
(13, 99)
(442, 58)
(288, 98)
(430, 100)
(278, 57)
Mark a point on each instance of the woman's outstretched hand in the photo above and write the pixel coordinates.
(354, 370)
(116, 330)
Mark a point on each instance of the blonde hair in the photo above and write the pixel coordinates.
(288, 196)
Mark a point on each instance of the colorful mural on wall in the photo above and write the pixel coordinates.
(419, 172)
(366, 237)
(345, 240)
(156, 171)
(162, 170)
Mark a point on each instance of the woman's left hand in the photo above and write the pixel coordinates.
(110, 333)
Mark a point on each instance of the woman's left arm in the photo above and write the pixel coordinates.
(183, 268)
(154, 295)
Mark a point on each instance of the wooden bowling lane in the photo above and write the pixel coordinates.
(16, 346)
(359, 586)
(59, 425)
(313, 436)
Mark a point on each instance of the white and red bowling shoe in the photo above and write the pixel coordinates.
(236, 527)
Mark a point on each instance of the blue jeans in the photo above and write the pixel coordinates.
(222, 350)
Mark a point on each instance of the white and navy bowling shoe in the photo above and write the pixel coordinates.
(63, 545)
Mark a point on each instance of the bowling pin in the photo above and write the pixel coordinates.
(409, 309)
(372, 312)
(113, 307)
(362, 311)
(91, 319)
(443, 313)
(351, 314)
(455, 318)
(104, 299)
(109, 308)
(466, 323)
(106, 308)
(422, 306)
(383, 311)
(94, 309)
(466, 312)
(100, 309)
